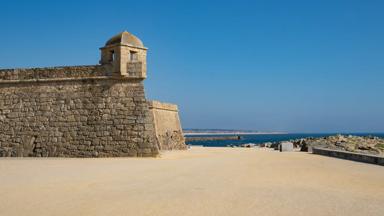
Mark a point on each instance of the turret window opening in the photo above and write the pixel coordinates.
(112, 56)
(133, 56)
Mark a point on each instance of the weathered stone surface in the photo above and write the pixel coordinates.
(167, 126)
(75, 119)
(286, 147)
(84, 71)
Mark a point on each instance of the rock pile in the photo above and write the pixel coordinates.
(358, 144)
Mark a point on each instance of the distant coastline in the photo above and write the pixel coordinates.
(240, 133)
(226, 132)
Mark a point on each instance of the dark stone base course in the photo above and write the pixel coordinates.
(172, 141)
(78, 118)
(350, 156)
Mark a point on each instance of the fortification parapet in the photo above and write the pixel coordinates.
(168, 129)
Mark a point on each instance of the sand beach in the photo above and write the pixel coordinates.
(199, 181)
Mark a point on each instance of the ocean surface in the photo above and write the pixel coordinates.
(262, 138)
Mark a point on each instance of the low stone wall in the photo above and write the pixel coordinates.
(349, 156)
(167, 126)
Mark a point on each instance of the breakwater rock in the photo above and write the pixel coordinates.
(358, 144)
(211, 138)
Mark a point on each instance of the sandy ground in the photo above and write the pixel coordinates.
(200, 181)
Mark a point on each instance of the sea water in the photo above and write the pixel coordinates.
(262, 138)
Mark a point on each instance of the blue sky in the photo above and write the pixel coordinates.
(294, 66)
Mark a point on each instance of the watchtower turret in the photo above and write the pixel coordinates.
(126, 55)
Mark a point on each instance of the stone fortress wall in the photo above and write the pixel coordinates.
(81, 111)
(168, 129)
